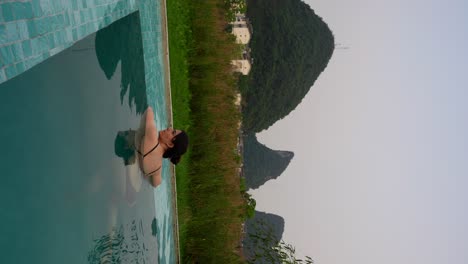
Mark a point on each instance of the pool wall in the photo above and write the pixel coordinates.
(32, 31)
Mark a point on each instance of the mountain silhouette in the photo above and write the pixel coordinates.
(261, 163)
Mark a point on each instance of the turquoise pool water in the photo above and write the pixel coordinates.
(66, 196)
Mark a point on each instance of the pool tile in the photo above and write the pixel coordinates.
(27, 50)
(43, 43)
(36, 7)
(91, 14)
(10, 71)
(73, 20)
(107, 20)
(20, 67)
(32, 28)
(1, 15)
(48, 24)
(41, 25)
(68, 35)
(2, 75)
(12, 33)
(58, 37)
(35, 60)
(51, 41)
(7, 12)
(56, 6)
(23, 29)
(17, 51)
(100, 11)
(3, 34)
(54, 51)
(83, 16)
(6, 56)
(28, 64)
(61, 20)
(52, 23)
(45, 55)
(74, 4)
(82, 31)
(23, 10)
(46, 7)
(66, 18)
(35, 47)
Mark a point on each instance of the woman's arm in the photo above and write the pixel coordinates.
(149, 141)
(155, 179)
(151, 131)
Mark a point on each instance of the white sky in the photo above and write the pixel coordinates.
(380, 172)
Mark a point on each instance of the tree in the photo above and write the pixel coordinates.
(250, 207)
(265, 247)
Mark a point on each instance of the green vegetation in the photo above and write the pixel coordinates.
(233, 7)
(179, 43)
(250, 207)
(291, 46)
(264, 231)
(269, 249)
(263, 243)
(212, 199)
(211, 205)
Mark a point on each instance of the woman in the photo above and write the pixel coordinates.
(152, 146)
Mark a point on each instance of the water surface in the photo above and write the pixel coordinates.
(66, 197)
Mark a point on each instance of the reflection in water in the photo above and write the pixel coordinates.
(123, 146)
(106, 248)
(154, 227)
(121, 245)
(62, 186)
(121, 41)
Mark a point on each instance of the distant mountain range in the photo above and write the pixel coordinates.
(261, 163)
(290, 46)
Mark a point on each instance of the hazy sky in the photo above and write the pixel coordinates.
(380, 173)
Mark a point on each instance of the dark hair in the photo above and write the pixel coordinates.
(181, 142)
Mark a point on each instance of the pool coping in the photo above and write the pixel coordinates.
(167, 85)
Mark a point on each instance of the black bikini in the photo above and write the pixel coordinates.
(147, 153)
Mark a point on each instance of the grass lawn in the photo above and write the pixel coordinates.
(211, 205)
(179, 41)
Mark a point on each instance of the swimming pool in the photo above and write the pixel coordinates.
(66, 196)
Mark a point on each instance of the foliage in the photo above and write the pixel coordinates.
(234, 7)
(251, 203)
(272, 225)
(215, 208)
(243, 186)
(270, 249)
(291, 46)
(211, 200)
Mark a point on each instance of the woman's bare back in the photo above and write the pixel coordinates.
(146, 139)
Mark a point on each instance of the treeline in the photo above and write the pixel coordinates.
(211, 205)
(263, 224)
(291, 46)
